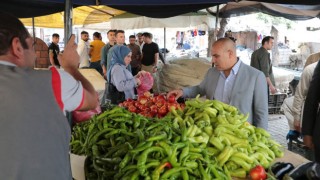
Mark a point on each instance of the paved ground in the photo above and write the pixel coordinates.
(278, 128)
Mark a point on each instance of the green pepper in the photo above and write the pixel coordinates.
(156, 172)
(173, 157)
(159, 137)
(184, 153)
(172, 171)
(224, 155)
(185, 175)
(240, 162)
(239, 173)
(143, 158)
(166, 147)
(141, 148)
(203, 173)
(125, 160)
(191, 164)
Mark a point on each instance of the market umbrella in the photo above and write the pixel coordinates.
(82, 15)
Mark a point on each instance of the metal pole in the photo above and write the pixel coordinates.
(217, 21)
(33, 29)
(68, 15)
(165, 49)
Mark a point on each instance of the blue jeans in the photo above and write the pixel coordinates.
(97, 66)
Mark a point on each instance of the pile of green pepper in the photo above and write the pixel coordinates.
(207, 140)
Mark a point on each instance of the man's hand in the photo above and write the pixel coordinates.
(307, 140)
(296, 124)
(154, 69)
(141, 73)
(69, 59)
(273, 90)
(177, 93)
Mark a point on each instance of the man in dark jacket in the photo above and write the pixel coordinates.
(311, 121)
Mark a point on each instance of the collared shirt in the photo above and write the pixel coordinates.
(7, 63)
(83, 51)
(225, 84)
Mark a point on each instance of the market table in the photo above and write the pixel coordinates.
(97, 81)
(77, 163)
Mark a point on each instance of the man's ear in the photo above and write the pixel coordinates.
(16, 48)
(230, 53)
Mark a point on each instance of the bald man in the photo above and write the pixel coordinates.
(232, 82)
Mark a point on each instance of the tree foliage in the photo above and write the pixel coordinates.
(274, 20)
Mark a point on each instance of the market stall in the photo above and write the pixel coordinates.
(158, 138)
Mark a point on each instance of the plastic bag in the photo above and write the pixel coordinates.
(146, 83)
(80, 116)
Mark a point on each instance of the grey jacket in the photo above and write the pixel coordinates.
(249, 93)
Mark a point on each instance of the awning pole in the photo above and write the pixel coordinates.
(68, 15)
(217, 21)
(165, 49)
(33, 29)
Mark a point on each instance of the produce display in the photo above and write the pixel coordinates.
(152, 105)
(206, 140)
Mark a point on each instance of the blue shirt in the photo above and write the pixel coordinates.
(225, 84)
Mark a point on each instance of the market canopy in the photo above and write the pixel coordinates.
(133, 21)
(150, 8)
(292, 12)
(82, 15)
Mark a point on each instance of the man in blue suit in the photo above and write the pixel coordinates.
(232, 82)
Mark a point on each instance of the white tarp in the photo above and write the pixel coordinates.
(130, 21)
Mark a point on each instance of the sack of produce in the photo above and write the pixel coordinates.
(182, 73)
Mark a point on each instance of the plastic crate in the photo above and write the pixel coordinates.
(276, 100)
(274, 110)
(281, 97)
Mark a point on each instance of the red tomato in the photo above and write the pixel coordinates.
(258, 173)
(154, 99)
(143, 100)
(125, 104)
(163, 110)
(147, 94)
(160, 102)
(171, 99)
(132, 108)
(161, 96)
(154, 109)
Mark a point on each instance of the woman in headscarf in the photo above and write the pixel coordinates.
(120, 77)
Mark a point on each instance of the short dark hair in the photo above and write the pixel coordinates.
(11, 27)
(55, 35)
(84, 32)
(112, 30)
(119, 31)
(148, 35)
(132, 36)
(97, 34)
(266, 39)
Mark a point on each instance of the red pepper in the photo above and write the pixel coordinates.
(167, 165)
(258, 173)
